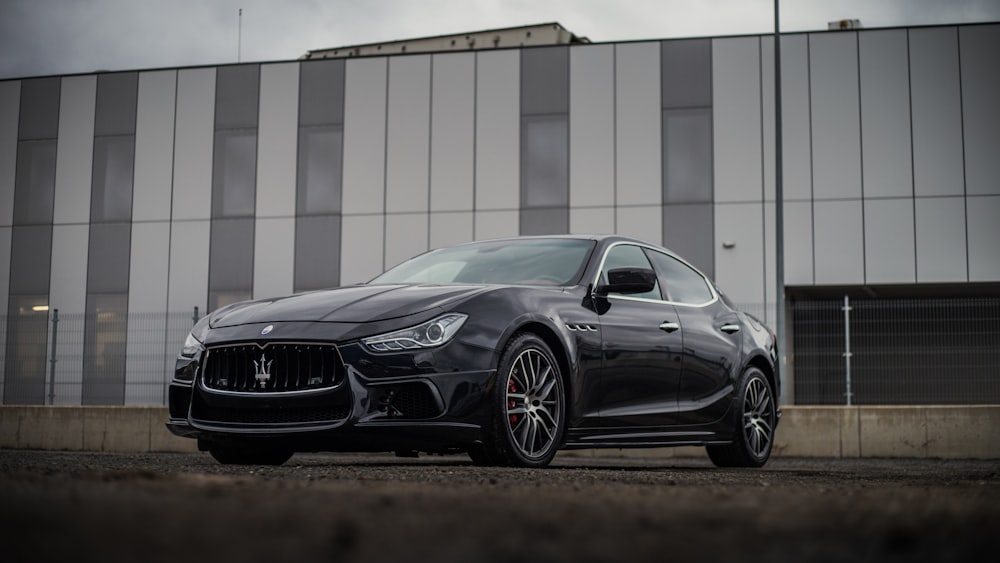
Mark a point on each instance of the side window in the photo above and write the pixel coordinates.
(684, 285)
(628, 256)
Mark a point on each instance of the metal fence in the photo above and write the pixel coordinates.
(864, 352)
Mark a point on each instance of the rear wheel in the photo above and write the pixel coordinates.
(754, 436)
(240, 456)
(529, 410)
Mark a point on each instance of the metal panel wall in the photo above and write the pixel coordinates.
(194, 132)
(149, 267)
(641, 222)
(453, 129)
(406, 235)
(364, 140)
(74, 152)
(147, 300)
(936, 107)
(838, 243)
(638, 156)
(798, 243)
(591, 122)
(836, 135)
(984, 238)
(274, 256)
(890, 256)
(498, 118)
(68, 293)
(407, 156)
(495, 224)
(979, 46)
(5, 240)
(154, 146)
(739, 270)
(941, 239)
(592, 220)
(796, 119)
(362, 249)
(10, 101)
(450, 227)
(885, 114)
(277, 139)
(736, 106)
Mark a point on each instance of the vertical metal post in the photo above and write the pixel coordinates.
(195, 318)
(52, 358)
(847, 348)
(779, 209)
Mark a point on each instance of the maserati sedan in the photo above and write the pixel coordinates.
(506, 350)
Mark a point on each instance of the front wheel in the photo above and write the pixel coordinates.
(754, 435)
(529, 406)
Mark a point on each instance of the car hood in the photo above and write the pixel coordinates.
(353, 304)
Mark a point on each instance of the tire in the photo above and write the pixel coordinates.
(754, 429)
(529, 407)
(235, 456)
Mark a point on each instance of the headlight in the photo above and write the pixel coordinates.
(193, 343)
(434, 332)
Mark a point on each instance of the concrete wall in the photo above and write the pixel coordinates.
(832, 432)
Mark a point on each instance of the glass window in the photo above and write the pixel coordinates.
(39, 116)
(236, 92)
(27, 358)
(116, 104)
(235, 173)
(687, 156)
(684, 285)
(317, 252)
(319, 178)
(321, 92)
(628, 256)
(686, 73)
(545, 80)
(230, 269)
(545, 161)
(30, 259)
(108, 258)
(111, 198)
(105, 338)
(35, 182)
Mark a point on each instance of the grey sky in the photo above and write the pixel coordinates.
(41, 37)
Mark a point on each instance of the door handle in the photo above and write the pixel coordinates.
(669, 326)
(729, 328)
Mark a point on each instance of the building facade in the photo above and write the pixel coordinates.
(128, 199)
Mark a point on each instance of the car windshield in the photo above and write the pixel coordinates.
(510, 262)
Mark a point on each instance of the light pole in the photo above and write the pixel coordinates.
(779, 205)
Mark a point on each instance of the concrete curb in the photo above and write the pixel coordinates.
(958, 432)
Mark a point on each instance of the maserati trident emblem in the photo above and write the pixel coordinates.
(263, 374)
(267, 329)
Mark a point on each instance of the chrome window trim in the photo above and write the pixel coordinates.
(711, 286)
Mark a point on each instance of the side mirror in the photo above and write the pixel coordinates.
(628, 280)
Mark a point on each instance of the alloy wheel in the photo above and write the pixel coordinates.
(758, 416)
(533, 404)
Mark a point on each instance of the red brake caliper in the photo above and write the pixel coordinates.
(511, 388)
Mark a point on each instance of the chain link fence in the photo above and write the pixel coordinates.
(841, 351)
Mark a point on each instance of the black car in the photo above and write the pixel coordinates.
(508, 350)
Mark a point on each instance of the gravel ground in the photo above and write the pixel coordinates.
(78, 507)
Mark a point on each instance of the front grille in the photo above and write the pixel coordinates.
(292, 415)
(273, 368)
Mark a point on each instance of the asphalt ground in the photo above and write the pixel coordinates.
(79, 507)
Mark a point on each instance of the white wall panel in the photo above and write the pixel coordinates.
(941, 239)
(448, 228)
(498, 131)
(644, 223)
(496, 224)
(638, 116)
(407, 165)
(592, 220)
(889, 238)
(361, 249)
(453, 129)
(194, 132)
(68, 285)
(935, 94)
(980, 93)
(277, 140)
(739, 271)
(10, 103)
(405, 237)
(798, 243)
(364, 135)
(885, 114)
(796, 124)
(591, 123)
(838, 243)
(736, 119)
(188, 266)
(75, 149)
(836, 138)
(984, 239)
(149, 267)
(154, 146)
(273, 256)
